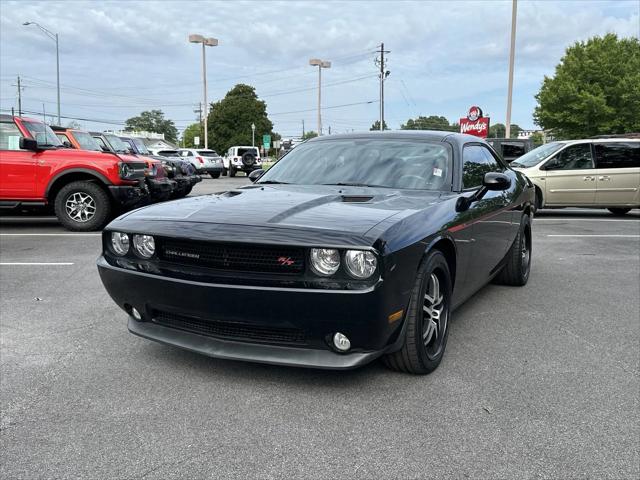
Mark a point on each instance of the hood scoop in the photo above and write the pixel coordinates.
(231, 193)
(356, 198)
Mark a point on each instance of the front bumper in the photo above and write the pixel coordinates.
(128, 195)
(161, 188)
(359, 314)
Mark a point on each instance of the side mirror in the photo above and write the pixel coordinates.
(496, 181)
(28, 144)
(255, 175)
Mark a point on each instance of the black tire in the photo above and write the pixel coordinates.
(225, 172)
(419, 355)
(619, 211)
(232, 171)
(96, 197)
(215, 174)
(248, 160)
(518, 260)
(538, 199)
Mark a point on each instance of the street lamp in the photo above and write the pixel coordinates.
(253, 134)
(316, 62)
(53, 36)
(206, 42)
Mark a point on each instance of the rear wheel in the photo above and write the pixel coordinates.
(215, 174)
(427, 319)
(619, 211)
(82, 206)
(518, 259)
(232, 171)
(538, 199)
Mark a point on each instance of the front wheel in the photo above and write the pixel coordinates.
(619, 211)
(427, 319)
(518, 259)
(82, 206)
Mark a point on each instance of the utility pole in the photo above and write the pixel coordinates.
(383, 75)
(44, 114)
(316, 62)
(19, 98)
(303, 128)
(206, 42)
(514, 14)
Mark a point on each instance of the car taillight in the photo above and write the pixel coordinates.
(200, 159)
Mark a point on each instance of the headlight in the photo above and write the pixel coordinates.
(325, 261)
(125, 170)
(360, 263)
(120, 243)
(145, 245)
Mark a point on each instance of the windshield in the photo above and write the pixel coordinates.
(537, 155)
(169, 153)
(42, 133)
(117, 144)
(207, 153)
(86, 141)
(407, 164)
(140, 145)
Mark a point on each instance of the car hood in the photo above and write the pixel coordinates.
(350, 209)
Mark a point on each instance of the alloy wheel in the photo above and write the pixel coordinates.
(80, 207)
(434, 317)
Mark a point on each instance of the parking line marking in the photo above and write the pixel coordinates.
(40, 264)
(594, 235)
(50, 234)
(543, 219)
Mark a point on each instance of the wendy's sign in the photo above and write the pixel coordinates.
(474, 123)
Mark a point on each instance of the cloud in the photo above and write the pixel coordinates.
(128, 56)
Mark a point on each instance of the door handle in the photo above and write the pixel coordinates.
(604, 178)
(589, 178)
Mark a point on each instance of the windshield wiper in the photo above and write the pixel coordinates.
(273, 182)
(354, 184)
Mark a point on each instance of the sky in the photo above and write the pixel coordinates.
(119, 58)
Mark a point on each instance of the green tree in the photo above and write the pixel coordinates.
(153, 121)
(595, 89)
(376, 126)
(499, 130)
(432, 122)
(537, 138)
(309, 134)
(192, 131)
(230, 119)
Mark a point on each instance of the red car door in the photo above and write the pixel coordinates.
(17, 167)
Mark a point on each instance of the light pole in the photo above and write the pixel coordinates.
(206, 42)
(316, 62)
(253, 134)
(53, 36)
(512, 51)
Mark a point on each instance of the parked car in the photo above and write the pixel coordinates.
(160, 186)
(177, 169)
(594, 173)
(73, 138)
(511, 148)
(84, 187)
(204, 161)
(361, 247)
(241, 159)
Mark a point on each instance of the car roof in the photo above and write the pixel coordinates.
(429, 135)
(597, 140)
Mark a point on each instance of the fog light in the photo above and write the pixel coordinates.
(341, 342)
(137, 316)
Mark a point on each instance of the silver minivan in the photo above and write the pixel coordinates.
(595, 173)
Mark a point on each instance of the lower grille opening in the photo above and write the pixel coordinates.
(230, 330)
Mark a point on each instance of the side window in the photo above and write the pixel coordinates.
(476, 161)
(574, 157)
(102, 144)
(9, 136)
(618, 155)
(64, 139)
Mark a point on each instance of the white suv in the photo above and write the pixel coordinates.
(241, 159)
(595, 173)
(205, 161)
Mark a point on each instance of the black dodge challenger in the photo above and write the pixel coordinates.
(350, 248)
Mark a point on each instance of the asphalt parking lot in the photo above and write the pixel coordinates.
(537, 382)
